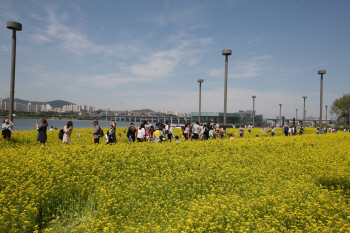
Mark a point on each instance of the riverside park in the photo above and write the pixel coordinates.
(271, 184)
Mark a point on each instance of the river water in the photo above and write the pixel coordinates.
(29, 124)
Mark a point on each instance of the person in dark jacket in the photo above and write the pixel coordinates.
(7, 129)
(42, 137)
(285, 130)
(131, 132)
(111, 134)
(205, 134)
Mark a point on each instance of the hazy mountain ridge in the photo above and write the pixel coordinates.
(53, 103)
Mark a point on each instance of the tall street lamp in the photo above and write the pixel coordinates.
(304, 113)
(226, 53)
(200, 93)
(14, 26)
(253, 108)
(326, 114)
(280, 116)
(321, 72)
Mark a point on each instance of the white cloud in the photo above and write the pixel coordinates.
(200, 26)
(74, 41)
(192, 62)
(254, 42)
(38, 38)
(163, 63)
(159, 64)
(217, 73)
(6, 11)
(35, 16)
(242, 69)
(114, 81)
(179, 17)
(4, 48)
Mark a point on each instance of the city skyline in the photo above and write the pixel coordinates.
(90, 108)
(149, 55)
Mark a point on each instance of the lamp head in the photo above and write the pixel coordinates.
(280, 104)
(322, 72)
(226, 52)
(200, 80)
(326, 106)
(253, 96)
(304, 97)
(14, 26)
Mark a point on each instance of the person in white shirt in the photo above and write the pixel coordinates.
(250, 128)
(211, 132)
(67, 129)
(169, 132)
(241, 131)
(147, 126)
(217, 127)
(166, 128)
(196, 130)
(273, 131)
(141, 133)
(202, 128)
(291, 130)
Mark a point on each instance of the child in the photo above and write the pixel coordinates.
(257, 137)
(231, 138)
(149, 134)
(211, 132)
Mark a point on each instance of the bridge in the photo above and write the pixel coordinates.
(136, 118)
(152, 119)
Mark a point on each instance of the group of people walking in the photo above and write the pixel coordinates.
(324, 130)
(292, 130)
(66, 132)
(208, 131)
(147, 132)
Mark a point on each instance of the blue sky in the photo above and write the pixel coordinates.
(127, 55)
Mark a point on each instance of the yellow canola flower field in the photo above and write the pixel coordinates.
(271, 184)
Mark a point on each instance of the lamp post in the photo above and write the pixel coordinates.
(304, 113)
(200, 91)
(321, 72)
(14, 26)
(253, 108)
(226, 53)
(280, 116)
(326, 114)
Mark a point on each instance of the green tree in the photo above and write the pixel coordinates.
(341, 107)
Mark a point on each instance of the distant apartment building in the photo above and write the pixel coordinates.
(46, 108)
(26, 107)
